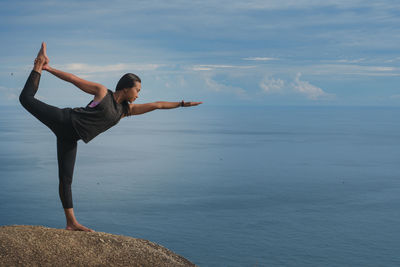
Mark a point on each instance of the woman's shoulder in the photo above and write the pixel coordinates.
(99, 97)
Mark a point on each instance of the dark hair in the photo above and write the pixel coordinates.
(127, 81)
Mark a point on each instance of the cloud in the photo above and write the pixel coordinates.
(352, 69)
(271, 85)
(395, 96)
(219, 87)
(10, 93)
(199, 68)
(90, 68)
(260, 58)
(392, 60)
(346, 60)
(174, 81)
(311, 91)
(213, 67)
(305, 4)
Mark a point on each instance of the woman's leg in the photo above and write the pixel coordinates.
(49, 115)
(54, 118)
(66, 155)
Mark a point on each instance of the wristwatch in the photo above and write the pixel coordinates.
(182, 103)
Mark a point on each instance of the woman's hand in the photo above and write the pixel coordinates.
(46, 66)
(190, 104)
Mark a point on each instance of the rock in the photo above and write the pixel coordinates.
(26, 245)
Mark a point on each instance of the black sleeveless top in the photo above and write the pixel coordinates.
(92, 121)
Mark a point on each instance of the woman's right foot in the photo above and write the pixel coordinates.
(78, 227)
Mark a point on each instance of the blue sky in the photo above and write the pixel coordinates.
(303, 52)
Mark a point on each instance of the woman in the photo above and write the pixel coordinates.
(70, 125)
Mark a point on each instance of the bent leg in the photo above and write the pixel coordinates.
(47, 114)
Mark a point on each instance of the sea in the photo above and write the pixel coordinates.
(223, 185)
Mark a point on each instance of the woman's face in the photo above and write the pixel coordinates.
(133, 92)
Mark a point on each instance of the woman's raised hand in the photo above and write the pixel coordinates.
(46, 66)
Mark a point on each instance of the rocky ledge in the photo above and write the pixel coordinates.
(25, 245)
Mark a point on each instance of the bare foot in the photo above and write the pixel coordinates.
(42, 57)
(42, 52)
(78, 227)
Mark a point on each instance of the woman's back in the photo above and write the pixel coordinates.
(90, 121)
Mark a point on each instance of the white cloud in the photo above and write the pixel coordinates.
(10, 93)
(311, 91)
(260, 58)
(213, 67)
(383, 69)
(219, 87)
(198, 68)
(305, 4)
(346, 60)
(352, 69)
(88, 68)
(271, 85)
(392, 60)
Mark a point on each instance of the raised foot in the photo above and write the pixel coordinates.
(78, 227)
(43, 53)
(42, 60)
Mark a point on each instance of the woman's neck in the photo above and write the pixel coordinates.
(118, 96)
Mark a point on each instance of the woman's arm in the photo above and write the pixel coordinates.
(86, 86)
(137, 109)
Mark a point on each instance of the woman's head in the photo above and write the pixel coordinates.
(131, 85)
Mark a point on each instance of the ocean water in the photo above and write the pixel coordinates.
(223, 186)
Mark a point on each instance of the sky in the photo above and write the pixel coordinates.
(257, 52)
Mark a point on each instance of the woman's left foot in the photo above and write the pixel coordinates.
(41, 61)
(42, 52)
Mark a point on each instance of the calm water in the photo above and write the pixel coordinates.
(223, 186)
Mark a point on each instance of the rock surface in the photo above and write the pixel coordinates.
(25, 245)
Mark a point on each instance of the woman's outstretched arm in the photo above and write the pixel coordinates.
(137, 109)
(86, 86)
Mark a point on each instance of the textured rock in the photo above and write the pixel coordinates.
(25, 245)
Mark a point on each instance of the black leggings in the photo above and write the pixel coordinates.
(59, 122)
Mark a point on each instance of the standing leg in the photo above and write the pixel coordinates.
(66, 155)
